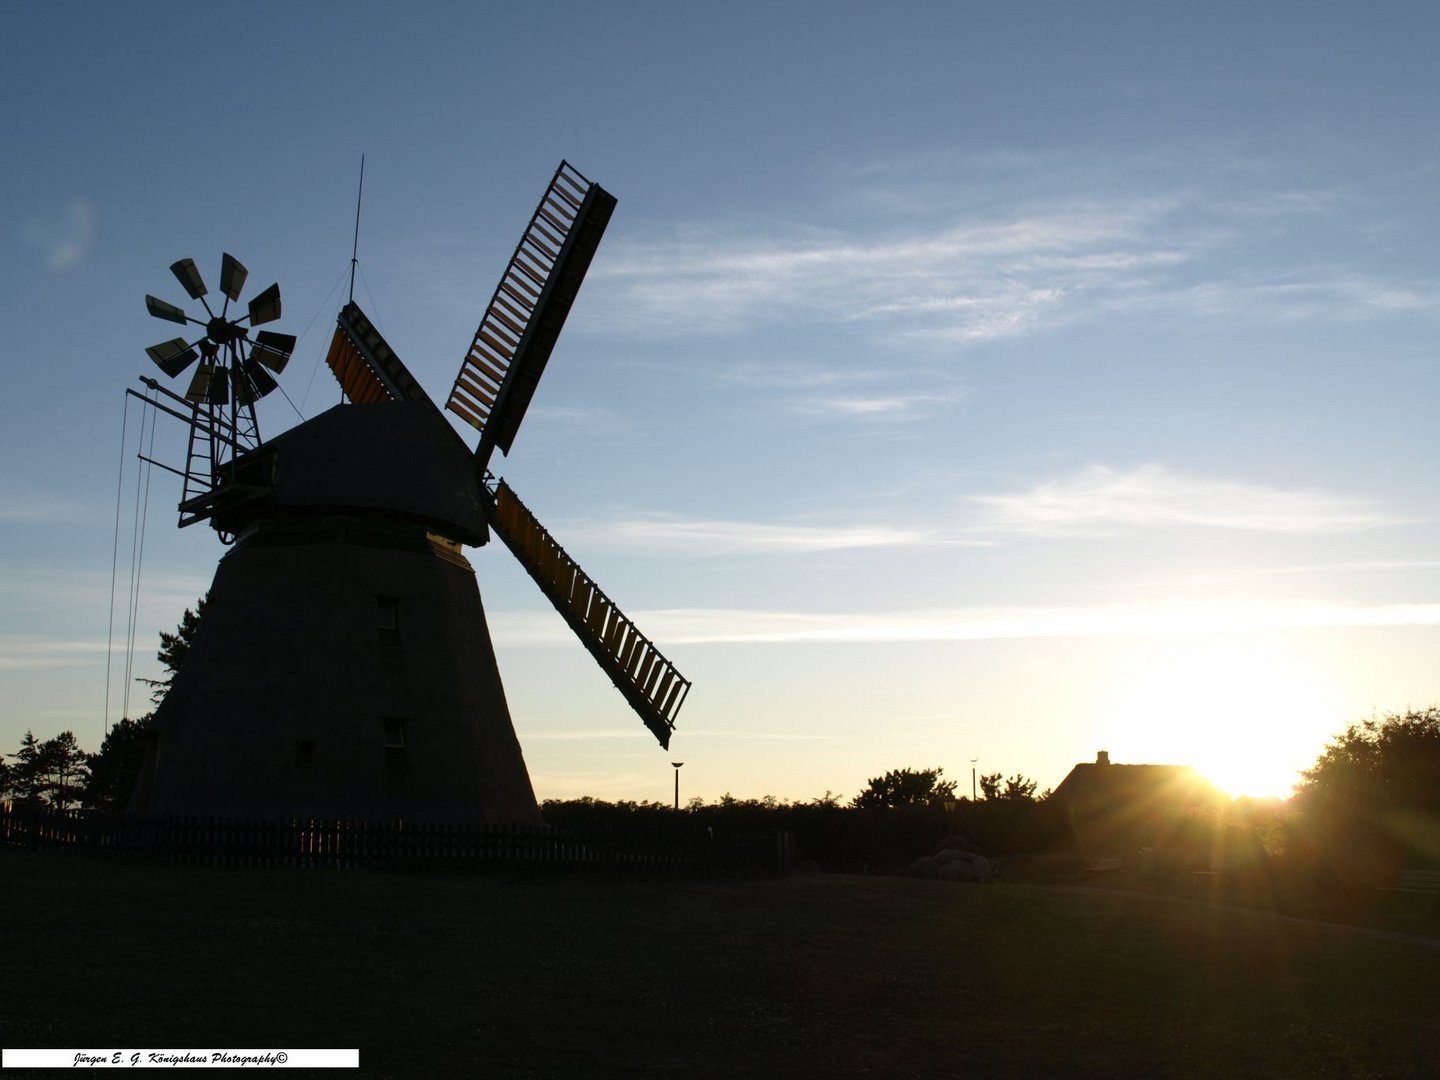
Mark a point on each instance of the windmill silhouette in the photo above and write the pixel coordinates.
(234, 371)
(344, 666)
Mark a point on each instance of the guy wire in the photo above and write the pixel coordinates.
(115, 562)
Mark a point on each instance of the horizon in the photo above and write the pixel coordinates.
(950, 384)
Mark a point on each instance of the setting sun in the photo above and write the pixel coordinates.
(1247, 720)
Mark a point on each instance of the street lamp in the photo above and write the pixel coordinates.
(677, 765)
(972, 777)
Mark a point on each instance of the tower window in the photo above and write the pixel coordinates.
(387, 619)
(395, 752)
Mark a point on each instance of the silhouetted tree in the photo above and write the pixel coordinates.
(904, 787)
(174, 648)
(49, 773)
(65, 770)
(114, 770)
(25, 776)
(1375, 790)
(1019, 786)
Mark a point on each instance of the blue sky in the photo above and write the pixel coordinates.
(954, 380)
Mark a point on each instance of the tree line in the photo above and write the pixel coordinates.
(1373, 793)
(57, 774)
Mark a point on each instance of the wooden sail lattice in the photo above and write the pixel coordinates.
(365, 366)
(519, 329)
(650, 682)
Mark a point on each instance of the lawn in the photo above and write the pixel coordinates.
(812, 976)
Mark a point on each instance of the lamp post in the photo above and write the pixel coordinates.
(677, 765)
(972, 777)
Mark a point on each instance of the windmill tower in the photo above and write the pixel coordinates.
(344, 667)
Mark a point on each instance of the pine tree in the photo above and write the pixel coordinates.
(25, 778)
(174, 648)
(116, 768)
(65, 770)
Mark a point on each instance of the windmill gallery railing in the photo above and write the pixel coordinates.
(393, 845)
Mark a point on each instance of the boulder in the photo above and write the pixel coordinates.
(958, 870)
(923, 867)
(966, 867)
(949, 855)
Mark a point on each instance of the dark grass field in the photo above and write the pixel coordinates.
(813, 976)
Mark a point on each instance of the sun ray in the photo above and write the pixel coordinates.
(1244, 717)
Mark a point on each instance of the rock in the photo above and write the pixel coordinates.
(949, 855)
(970, 868)
(956, 870)
(923, 867)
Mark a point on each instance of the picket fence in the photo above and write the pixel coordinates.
(397, 845)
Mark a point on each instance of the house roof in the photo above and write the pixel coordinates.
(1101, 782)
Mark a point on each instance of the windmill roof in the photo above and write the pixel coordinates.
(395, 457)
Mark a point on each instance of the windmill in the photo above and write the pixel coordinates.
(344, 666)
(233, 373)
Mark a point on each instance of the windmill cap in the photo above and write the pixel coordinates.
(398, 458)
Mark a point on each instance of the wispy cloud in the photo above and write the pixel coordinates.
(573, 418)
(708, 537)
(1321, 293)
(722, 626)
(1249, 574)
(795, 375)
(819, 390)
(1101, 500)
(34, 508)
(47, 588)
(1098, 501)
(957, 251)
(970, 280)
(874, 406)
(27, 653)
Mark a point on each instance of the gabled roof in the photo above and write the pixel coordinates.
(1101, 783)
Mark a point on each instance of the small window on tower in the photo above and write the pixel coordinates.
(387, 619)
(394, 741)
(304, 753)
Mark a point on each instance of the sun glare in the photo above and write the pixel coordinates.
(1246, 720)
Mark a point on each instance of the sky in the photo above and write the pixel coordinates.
(957, 385)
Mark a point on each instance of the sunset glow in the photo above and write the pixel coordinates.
(1245, 720)
(996, 380)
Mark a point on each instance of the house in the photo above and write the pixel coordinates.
(1118, 809)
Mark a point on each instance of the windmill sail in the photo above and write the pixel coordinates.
(364, 364)
(649, 682)
(520, 327)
